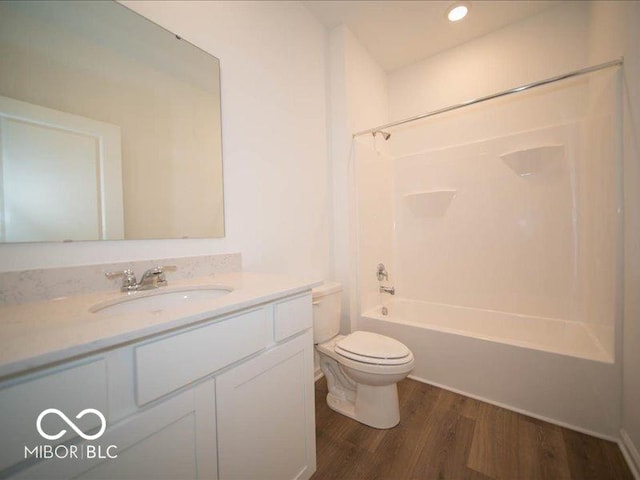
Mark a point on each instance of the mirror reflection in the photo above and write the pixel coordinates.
(109, 127)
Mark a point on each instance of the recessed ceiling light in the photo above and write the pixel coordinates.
(458, 11)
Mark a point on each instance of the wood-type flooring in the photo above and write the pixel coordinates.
(443, 435)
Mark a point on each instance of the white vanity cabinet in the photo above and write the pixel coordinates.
(229, 398)
(265, 410)
(175, 439)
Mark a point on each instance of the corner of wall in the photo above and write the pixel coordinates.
(359, 99)
(630, 453)
(613, 33)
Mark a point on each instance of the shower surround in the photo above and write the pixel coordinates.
(499, 226)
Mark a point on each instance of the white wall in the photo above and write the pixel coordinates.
(274, 131)
(358, 89)
(550, 43)
(615, 32)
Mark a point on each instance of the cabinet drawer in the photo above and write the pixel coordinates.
(173, 362)
(71, 391)
(292, 316)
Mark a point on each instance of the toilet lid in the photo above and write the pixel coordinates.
(370, 347)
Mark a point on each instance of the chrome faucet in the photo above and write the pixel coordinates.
(152, 278)
(390, 290)
(382, 273)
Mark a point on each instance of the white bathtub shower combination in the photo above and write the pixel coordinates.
(547, 368)
(501, 238)
(563, 337)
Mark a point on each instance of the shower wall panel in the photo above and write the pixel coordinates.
(514, 205)
(374, 189)
(506, 240)
(511, 205)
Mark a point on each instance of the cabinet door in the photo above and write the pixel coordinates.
(265, 415)
(69, 389)
(174, 439)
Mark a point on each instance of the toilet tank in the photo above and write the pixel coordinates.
(327, 310)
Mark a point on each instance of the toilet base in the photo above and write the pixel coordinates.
(365, 392)
(374, 406)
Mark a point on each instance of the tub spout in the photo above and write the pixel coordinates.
(390, 290)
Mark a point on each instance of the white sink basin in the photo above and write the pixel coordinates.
(160, 299)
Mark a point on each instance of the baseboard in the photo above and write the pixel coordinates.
(630, 453)
(610, 438)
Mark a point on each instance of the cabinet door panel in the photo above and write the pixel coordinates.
(173, 439)
(168, 454)
(265, 415)
(70, 389)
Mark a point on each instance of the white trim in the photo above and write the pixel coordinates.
(520, 410)
(2, 202)
(109, 158)
(630, 453)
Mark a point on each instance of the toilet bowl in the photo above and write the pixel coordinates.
(362, 368)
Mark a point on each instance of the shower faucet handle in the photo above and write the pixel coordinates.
(382, 273)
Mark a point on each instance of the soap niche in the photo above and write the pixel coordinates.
(433, 203)
(535, 161)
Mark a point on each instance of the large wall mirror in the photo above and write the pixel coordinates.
(109, 127)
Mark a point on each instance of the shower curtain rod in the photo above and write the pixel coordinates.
(575, 73)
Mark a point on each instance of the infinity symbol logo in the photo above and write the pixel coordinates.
(71, 424)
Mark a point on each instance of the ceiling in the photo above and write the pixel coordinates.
(398, 33)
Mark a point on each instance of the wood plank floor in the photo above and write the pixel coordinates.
(443, 435)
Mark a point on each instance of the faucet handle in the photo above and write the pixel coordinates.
(156, 274)
(124, 273)
(129, 281)
(381, 273)
(166, 268)
(160, 269)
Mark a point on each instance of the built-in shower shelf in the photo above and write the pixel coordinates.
(433, 203)
(536, 160)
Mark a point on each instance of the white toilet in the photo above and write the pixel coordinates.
(361, 368)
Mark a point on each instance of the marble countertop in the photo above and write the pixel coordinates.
(37, 334)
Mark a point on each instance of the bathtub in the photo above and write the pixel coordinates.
(555, 370)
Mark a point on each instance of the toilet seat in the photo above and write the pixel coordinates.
(372, 348)
(329, 348)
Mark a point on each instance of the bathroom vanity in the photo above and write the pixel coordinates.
(214, 388)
